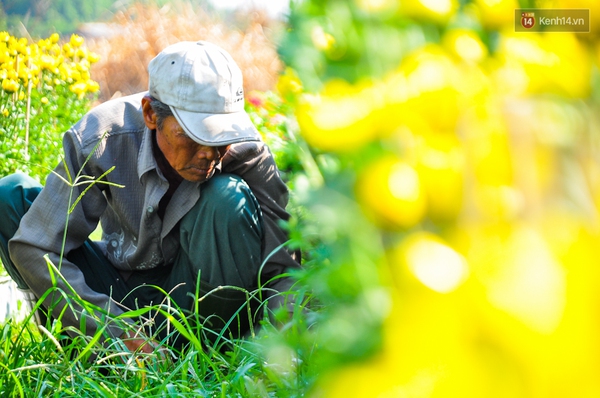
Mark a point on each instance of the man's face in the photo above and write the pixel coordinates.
(192, 161)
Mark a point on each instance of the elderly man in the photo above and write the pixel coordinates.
(188, 196)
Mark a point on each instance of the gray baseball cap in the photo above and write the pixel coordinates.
(203, 86)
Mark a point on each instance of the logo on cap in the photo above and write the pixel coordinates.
(239, 94)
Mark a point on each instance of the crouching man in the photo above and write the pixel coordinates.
(188, 196)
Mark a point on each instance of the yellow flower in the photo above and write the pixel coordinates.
(54, 37)
(5, 112)
(78, 88)
(431, 261)
(48, 62)
(56, 50)
(4, 36)
(321, 39)
(391, 193)
(496, 14)
(82, 53)
(76, 41)
(431, 10)
(465, 44)
(433, 84)
(92, 57)
(68, 50)
(44, 100)
(558, 64)
(341, 118)
(440, 164)
(22, 47)
(10, 85)
(92, 86)
(289, 84)
(376, 6)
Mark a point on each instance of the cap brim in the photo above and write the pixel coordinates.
(216, 129)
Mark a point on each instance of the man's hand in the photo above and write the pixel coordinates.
(136, 342)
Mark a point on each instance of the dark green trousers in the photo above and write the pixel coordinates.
(220, 241)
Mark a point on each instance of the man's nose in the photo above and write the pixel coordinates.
(207, 152)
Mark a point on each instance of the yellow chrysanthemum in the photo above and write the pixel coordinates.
(78, 88)
(92, 86)
(10, 85)
(341, 118)
(76, 41)
(391, 193)
(465, 44)
(431, 10)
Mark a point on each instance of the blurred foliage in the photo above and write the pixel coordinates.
(456, 197)
(40, 18)
(46, 87)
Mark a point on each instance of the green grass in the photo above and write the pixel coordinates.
(49, 360)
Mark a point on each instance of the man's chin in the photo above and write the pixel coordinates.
(196, 175)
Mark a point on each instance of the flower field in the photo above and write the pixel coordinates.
(444, 172)
(45, 87)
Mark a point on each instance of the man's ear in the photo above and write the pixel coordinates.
(148, 112)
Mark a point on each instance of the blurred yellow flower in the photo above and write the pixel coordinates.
(496, 14)
(67, 50)
(433, 85)
(430, 10)
(378, 5)
(465, 44)
(434, 263)
(48, 62)
(341, 118)
(553, 63)
(440, 164)
(10, 85)
(92, 57)
(391, 193)
(92, 86)
(76, 41)
(321, 39)
(288, 84)
(78, 88)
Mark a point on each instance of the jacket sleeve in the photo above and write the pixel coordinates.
(254, 162)
(42, 231)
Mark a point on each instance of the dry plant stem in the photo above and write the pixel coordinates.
(28, 117)
(122, 68)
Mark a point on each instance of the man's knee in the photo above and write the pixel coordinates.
(224, 229)
(231, 199)
(17, 192)
(18, 187)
